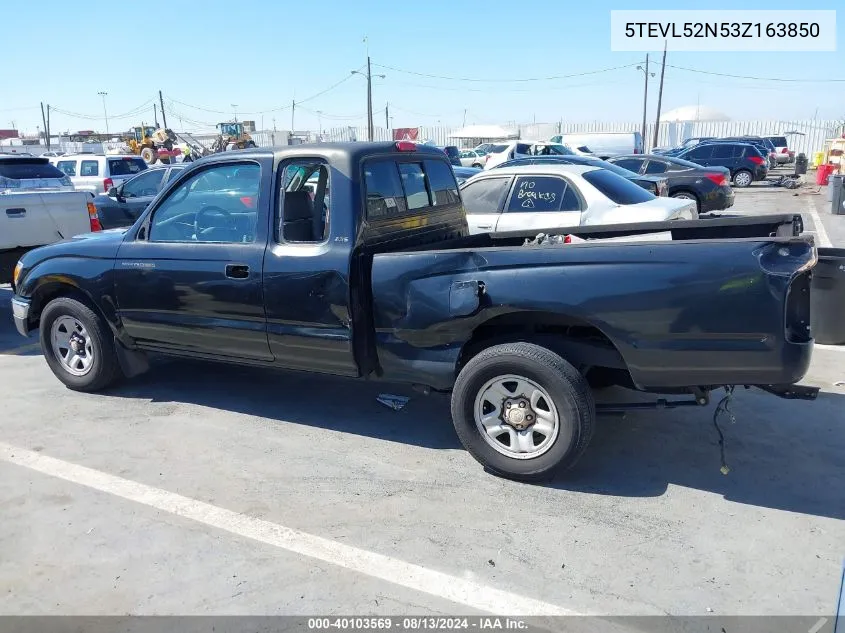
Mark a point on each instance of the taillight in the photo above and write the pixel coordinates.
(108, 183)
(718, 179)
(757, 160)
(93, 218)
(487, 157)
(785, 150)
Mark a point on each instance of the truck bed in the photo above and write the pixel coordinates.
(723, 303)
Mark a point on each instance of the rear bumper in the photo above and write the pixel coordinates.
(20, 313)
(718, 200)
(761, 172)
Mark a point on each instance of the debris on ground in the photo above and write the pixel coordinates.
(392, 402)
(491, 562)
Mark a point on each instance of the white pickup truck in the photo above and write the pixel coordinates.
(35, 212)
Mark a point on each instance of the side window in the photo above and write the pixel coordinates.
(218, 204)
(571, 202)
(523, 148)
(89, 168)
(702, 152)
(144, 185)
(723, 151)
(383, 189)
(413, 182)
(305, 198)
(67, 166)
(537, 193)
(655, 167)
(485, 195)
(632, 164)
(441, 181)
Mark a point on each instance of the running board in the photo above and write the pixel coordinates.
(622, 407)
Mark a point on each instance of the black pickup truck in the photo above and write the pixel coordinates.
(355, 260)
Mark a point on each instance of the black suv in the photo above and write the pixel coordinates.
(745, 162)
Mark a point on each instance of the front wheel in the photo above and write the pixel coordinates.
(522, 411)
(686, 195)
(78, 346)
(743, 178)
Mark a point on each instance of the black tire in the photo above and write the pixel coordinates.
(687, 195)
(742, 180)
(567, 388)
(478, 166)
(105, 369)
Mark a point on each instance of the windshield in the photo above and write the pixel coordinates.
(495, 149)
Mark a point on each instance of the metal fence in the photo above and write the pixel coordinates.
(809, 135)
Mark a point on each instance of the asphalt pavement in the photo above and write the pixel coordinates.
(208, 489)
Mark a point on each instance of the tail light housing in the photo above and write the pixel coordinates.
(93, 218)
(757, 160)
(718, 179)
(785, 150)
(108, 183)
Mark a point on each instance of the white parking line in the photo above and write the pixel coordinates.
(824, 240)
(830, 348)
(435, 583)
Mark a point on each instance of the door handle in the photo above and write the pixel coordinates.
(16, 213)
(237, 271)
(485, 226)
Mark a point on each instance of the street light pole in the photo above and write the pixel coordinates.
(235, 111)
(319, 121)
(105, 114)
(645, 98)
(369, 77)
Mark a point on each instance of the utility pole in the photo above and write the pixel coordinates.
(155, 114)
(319, 121)
(292, 112)
(465, 118)
(48, 125)
(235, 111)
(44, 121)
(645, 98)
(163, 115)
(369, 77)
(659, 97)
(105, 114)
(387, 119)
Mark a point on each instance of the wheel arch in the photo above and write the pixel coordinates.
(51, 289)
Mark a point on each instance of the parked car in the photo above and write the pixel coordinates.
(685, 145)
(30, 173)
(123, 204)
(708, 186)
(552, 196)
(33, 218)
(603, 144)
(52, 154)
(501, 152)
(98, 173)
(657, 185)
(462, 174)
(782, 151)
(472, 158)
(745, 162)
(763, 144)
(392, 288)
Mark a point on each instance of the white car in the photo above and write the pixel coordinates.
(471, 158)
(540, 197)
(500, 152)
(98, 173)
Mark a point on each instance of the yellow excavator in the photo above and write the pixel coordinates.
(231, 136)
(152, 143)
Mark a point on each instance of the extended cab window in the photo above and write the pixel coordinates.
(67, 166)
(542, 193)
(304, 201)
(218, 204)
(441, 179)
(485, 195)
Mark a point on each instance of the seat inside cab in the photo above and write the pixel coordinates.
(305, 203)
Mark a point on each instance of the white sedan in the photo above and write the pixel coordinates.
(537, 197)
(472, 158)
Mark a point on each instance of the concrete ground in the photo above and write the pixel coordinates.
(203, 489)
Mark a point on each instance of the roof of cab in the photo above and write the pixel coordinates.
(350, 151)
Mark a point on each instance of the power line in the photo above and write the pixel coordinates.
(783, 79)
(524, 79)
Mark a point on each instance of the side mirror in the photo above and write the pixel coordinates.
(112, 192)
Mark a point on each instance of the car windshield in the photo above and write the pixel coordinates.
(620, 190)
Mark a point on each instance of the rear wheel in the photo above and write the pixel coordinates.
(78, 346)
(687, 195)
(743, 178)
(149, 155)
(522, 411)
(478, 166)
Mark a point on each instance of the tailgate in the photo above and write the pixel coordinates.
(67, 212)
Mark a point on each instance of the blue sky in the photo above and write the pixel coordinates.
(259, 55)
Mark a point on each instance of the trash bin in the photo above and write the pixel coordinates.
(801, 164)
(823, 174)
(827, 297)
(837, 195)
